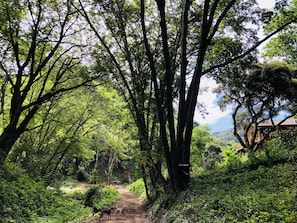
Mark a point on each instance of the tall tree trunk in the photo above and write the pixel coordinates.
(7, 140)
(111, 162)
(13, 131)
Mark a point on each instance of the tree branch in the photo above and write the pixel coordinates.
(230, 60)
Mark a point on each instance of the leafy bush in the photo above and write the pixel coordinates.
(81, 175)
(101, 198)
(231, 161)
(138, 189)
(92, 196)
(211, 156)
(109, 196)
(24, 200)
(280, 148)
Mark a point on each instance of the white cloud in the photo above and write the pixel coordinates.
(209, 99)
(266, 3)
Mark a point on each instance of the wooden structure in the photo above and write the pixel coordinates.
(268, 130)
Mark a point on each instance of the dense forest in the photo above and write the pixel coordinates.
(105, 92)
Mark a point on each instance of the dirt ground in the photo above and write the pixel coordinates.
(132, 206)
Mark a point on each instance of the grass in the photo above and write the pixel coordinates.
(71, 187)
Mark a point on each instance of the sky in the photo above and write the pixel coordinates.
(217, 120)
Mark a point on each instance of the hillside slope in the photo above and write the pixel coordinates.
(262, 195)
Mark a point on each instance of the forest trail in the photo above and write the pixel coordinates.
(133, 209)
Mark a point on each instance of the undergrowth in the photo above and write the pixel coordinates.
(137, 188)
(262, 195)
(24, 200)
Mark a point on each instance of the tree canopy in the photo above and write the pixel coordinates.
(179, 42)
(40, 59)
(282, 46)
(263, 93)
(153, 52)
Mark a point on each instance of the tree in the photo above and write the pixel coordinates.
(200, 138)
(283, 46)
(113, 135)
(163, 48)
(131, 79)
(256, 95)
(40, 54)
(58, 134)
(211, 156)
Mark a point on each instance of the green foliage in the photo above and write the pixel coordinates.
(81, 175)
(33, 29)
(257, 93)
(284, 44)
(92, 195)
(282, 148)
(288, 140)
(232, 161)
(254, 187)
(199, 145)
(69, 134)
(211, 156)
(263, 195)
(59, 138)
(113, 137)
(101, 197)
(109, 196)
(23, 200)
(138, 189)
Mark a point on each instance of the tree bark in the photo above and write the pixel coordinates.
(7, 140)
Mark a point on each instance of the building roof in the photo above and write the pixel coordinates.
(288, 122)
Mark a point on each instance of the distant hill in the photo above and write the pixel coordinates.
(225, 136)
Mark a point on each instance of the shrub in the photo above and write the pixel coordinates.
(232, 161)
(24, 200)
(138, 189)
(81, 175)
(92, 196)
(211, 156)
(101, 197)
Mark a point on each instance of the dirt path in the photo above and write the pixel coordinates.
(133, 209)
